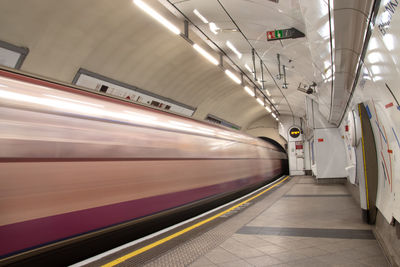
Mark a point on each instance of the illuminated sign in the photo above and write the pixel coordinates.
(294, 132)
(284, 34)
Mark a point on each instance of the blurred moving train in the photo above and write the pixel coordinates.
(74, 163)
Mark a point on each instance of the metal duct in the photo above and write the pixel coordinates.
(350, 25)
(335, 73)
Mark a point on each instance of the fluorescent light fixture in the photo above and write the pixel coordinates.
(268, 109)
(276, 119)
(233, 48)
(213, 27)
(260, 101)
(157, 16)
(268, 93)
(197, 13)
(272, 100)
(248, 68)
(233, 76)
(273, 115)
(205, 54)
(249, 91)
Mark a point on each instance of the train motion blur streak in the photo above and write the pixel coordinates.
(71, 164)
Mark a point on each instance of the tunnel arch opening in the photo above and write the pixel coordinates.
(273, 142)
(279, 147)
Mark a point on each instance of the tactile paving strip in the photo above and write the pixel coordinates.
(185, 250)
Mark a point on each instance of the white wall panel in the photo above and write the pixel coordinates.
(329, 153)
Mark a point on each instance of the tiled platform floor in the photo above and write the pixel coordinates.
(311, 225)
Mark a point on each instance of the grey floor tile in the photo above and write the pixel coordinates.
(233, 244)
(333, 247)
(239, 263)
(251, 240)
(289, 256)
(334, 259)
(312, 252)
(308, 263)
(293, 245)
(247, 252)
(272, 249)
(353, 254)
(371, 250)
(350, 264)
(263, 261)
(220, 255)
(375, 261)
(202, 262)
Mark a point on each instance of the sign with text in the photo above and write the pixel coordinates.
(284, 34)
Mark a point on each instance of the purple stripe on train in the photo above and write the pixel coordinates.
(29, 234)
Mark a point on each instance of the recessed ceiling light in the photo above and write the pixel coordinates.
(233, 48)
(213, 27)
(197, 13)
(260, 101)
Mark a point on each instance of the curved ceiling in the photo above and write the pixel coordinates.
(118, 40)
(244, 23)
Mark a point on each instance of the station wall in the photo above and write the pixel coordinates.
(377, 88)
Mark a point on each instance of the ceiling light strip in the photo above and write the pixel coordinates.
(234, 50)
(205, 54)
(213, 28)
(146, 8)
(233, 76)
(249, 91)
(203, 19)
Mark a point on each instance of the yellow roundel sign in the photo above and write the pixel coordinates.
(294, 132)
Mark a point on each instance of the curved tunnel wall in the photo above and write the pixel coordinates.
(121, 42)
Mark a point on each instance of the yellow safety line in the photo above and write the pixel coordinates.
(165, 239)
(363, 149)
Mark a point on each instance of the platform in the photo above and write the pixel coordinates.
(297, 223)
